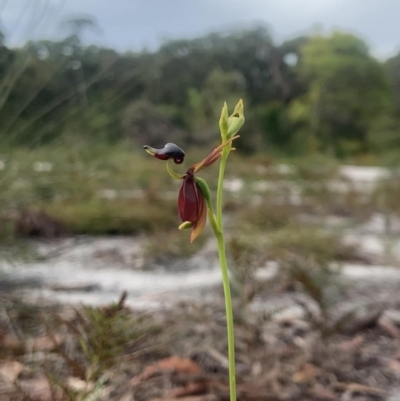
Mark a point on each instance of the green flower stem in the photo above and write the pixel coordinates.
(229, 316)
(222, 165)
(213, 221)
(225, 278)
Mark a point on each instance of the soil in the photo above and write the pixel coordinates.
(179, 353)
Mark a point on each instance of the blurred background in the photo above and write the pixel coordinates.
(312, 195)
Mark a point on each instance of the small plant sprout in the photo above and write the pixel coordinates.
(195, 204)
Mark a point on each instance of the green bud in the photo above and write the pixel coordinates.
(223, 122)
(185, 225)
(236, 119)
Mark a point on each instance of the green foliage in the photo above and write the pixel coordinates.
(333, 98)
(101, 337)
(89, 189)
(117, 217)
(347, 89)
(393, 68)
(107, 334)
(384, 132)
(275, 125)
(146, 122)
(204, 104)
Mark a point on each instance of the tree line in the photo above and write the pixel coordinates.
(317, 93)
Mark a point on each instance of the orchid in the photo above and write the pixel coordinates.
(194, 204)
(194, 193)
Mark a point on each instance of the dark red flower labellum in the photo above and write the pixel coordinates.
(192, 205)
(189, 199)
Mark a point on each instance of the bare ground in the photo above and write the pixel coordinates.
(116, 353)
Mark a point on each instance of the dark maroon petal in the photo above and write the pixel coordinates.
(199, 225)
(161, 156)
(189, 200)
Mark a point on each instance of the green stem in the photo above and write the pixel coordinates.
(229, 316)
(225, 278)
(222, 165)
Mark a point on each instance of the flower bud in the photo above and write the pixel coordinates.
(236, 119)
(223, 122)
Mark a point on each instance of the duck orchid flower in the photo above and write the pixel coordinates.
(194, 196)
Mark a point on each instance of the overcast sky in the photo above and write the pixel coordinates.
(132, 24)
